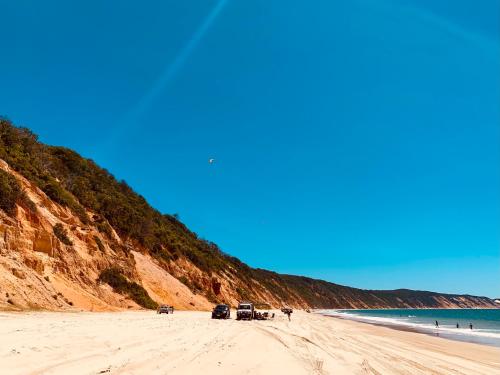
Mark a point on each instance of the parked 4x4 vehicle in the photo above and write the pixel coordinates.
(165, 309)
(245, 311)
(221, 312)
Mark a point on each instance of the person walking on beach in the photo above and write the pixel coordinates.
(437, 324)
(287, 312)
(458, 326)
(470, 325)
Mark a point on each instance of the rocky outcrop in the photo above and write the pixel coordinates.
(44, 242)
(18, 273)
(35, 264)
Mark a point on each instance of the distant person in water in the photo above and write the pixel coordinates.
(470, 325)
(437, 324)
(458, 326)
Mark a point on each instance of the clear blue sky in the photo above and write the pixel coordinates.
(355, 141)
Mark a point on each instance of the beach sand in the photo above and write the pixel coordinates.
(192, 343)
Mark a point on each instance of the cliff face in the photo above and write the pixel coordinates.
(37, 270)
(65, 231)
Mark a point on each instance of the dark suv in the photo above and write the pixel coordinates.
(221, 312)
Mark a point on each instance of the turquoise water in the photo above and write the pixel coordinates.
(485, 322)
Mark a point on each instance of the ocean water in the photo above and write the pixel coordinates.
(485, 322)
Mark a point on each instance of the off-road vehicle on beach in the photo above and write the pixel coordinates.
(165, 309)
(245, 311)
(221, 312)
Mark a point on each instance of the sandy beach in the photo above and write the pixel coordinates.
(190, 343)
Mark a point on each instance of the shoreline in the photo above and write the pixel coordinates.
(423, 308)
(442, 332)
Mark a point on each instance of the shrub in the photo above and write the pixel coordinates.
(104, 228)
(27, 203)
(62, 235)
(55, 192)
(80, 212)
(10, 192)
(120, 284)
(186, 282)
(58, 194)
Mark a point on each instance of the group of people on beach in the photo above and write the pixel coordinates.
(458, 325)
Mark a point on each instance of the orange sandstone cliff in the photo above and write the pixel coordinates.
(53, 255)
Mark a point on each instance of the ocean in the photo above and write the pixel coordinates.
(485, 322)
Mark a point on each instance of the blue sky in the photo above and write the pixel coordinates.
(355, 141)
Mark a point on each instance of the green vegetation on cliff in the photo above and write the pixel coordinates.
(81, 185)
(10, 192)
(120, 284)
(62, 235)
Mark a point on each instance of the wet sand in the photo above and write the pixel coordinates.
(459, 336)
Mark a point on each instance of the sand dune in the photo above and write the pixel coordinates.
(192, 343)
